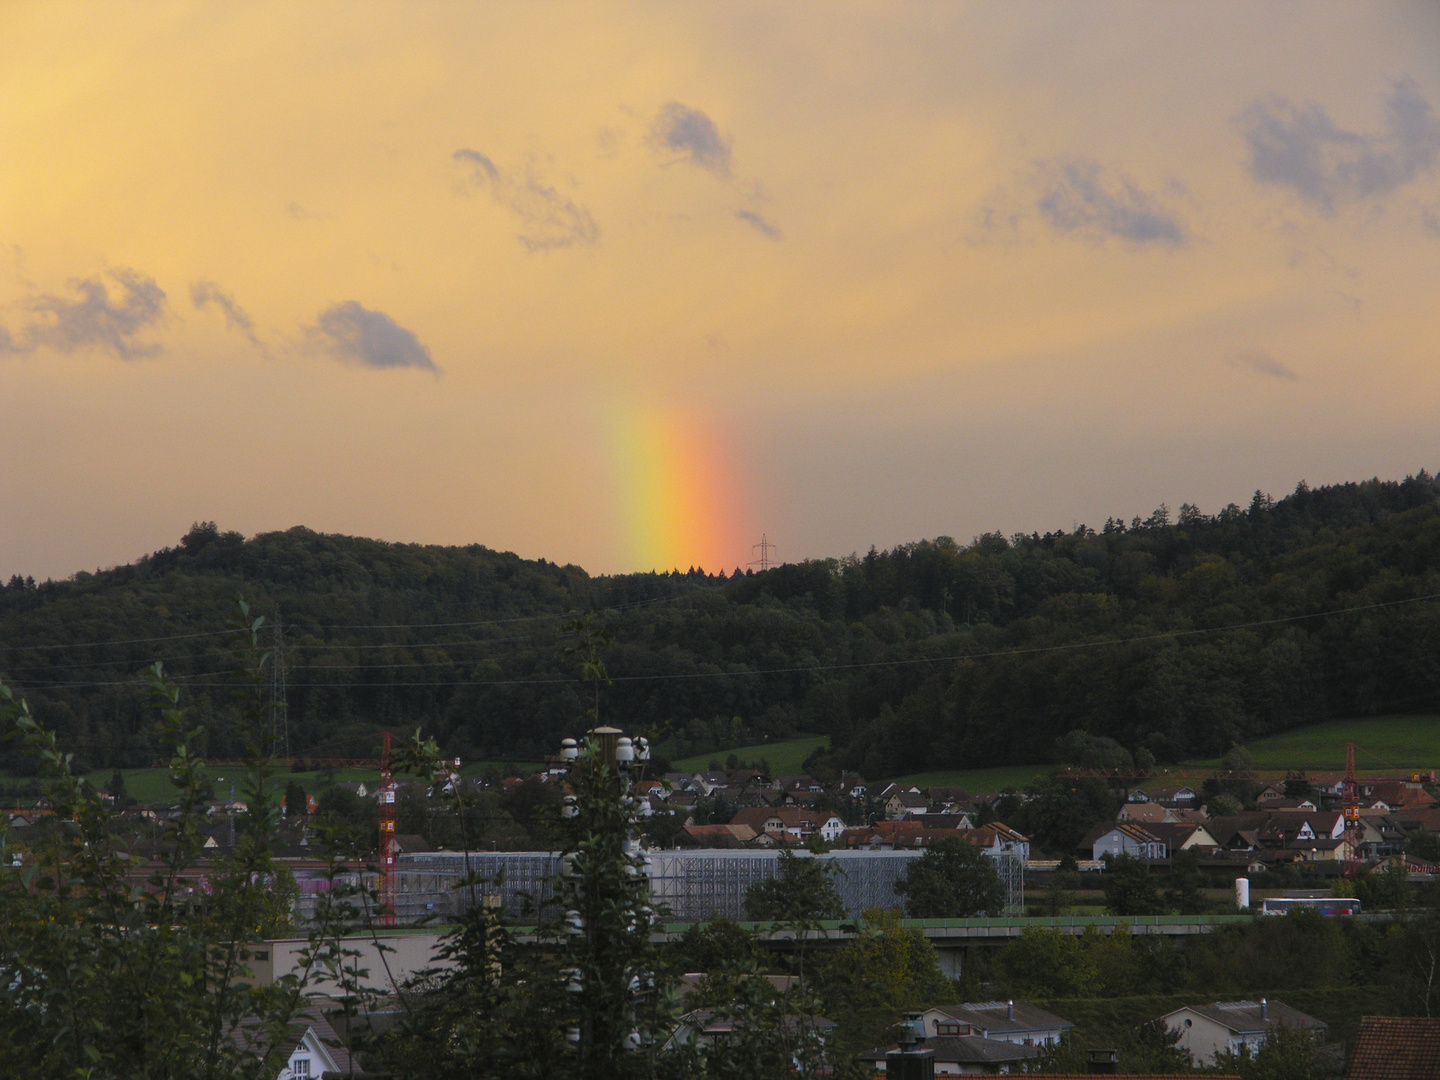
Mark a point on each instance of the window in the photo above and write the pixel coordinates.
(947, 1029)
(299, 1067)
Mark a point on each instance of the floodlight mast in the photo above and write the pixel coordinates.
(387, 837)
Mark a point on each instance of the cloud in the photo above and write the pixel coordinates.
(549, 219)
(1078, 198)
(358, 335)
(203, 293)
(96, 319)
(1261, 363)
(689, 135)
(1327, 166)
(759, 224)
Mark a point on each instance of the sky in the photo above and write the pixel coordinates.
(630, 285)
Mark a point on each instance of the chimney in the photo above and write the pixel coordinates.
(1264, 1009)
(1010, 1009)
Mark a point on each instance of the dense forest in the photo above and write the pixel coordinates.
(1177, 634)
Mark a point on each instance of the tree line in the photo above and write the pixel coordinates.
(1175, 634)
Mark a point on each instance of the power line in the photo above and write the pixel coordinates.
(860, 665)
(313, 627)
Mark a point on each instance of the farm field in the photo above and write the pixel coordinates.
(785, 758)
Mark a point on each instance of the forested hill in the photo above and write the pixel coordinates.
(1179, 635)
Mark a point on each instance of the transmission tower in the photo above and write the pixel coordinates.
(765, 561)
(279, 713)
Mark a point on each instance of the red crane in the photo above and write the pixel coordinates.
(1350, 801)
(387, 837)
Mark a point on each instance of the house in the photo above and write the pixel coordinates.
(905, 803)
(1293, 827)
(1401, 794)
(894, 835)
(1270, 794)
(955, 818)
(1143, 813)
(1125, 838)
(1175, 796)
(1396, 1048)
(1379, 835)
(965, 1055)
(725, 834)
(1207, 1030)
(314, 1049)
(1182, 836)
(1292, 804)
(790, 823)
(998, 839)
(1017, 1022)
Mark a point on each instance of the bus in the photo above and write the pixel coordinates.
(1325, 905)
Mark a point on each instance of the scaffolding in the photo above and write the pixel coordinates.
(692, 885)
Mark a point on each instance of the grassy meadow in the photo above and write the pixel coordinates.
(785, 758)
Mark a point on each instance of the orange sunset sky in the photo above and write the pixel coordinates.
(625, 285)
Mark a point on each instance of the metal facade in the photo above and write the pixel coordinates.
(692, 884)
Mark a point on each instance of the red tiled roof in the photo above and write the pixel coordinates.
(1396, 1048)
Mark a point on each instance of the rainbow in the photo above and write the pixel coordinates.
(679, 495)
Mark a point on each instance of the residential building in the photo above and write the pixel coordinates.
(997, 839)
(966, 1055)
(906, 803)
(795, 824)
(1395, 1048)
(1182, 836)
(723, 834)
(1207, 1030)
(1125, 838)
(1174, 796)
(1143, 813)
(1016, 1022)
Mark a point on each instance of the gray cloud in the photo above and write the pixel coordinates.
(759, 224)
(203, 293)
(1304, 150)
(1261, 363)
(358, 335)
(1078, 198)
(549, 219)
(692, 136)
(96, 319)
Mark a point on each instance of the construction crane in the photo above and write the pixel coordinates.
(1350, 801)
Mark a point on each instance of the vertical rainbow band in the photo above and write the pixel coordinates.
(680, 499)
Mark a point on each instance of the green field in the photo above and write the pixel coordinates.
(152, 786)
(785, 758)
(1383, 744)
